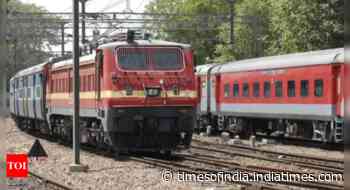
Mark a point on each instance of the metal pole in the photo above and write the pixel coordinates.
(232, 21)
(128, 8)
(76, 83)
(62, 39)
(15, 53)
(3, 54)
(83, 21)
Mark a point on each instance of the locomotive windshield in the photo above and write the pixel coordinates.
(150, 58)
(133, 61)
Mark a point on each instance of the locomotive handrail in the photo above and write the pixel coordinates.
(165, 92)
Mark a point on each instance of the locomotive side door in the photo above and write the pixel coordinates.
(98, 76)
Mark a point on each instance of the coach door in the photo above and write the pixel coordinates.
(339, 80)
(16, 96)
(38, 96)
(214, 87)
(202, 83)
(12, 96)
(30, 97)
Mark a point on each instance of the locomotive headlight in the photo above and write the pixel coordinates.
(129, 90)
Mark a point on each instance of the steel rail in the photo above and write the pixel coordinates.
(47, 181)
(338, 161)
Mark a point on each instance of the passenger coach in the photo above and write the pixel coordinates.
(296, 95)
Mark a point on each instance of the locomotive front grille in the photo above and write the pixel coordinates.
(149, 125)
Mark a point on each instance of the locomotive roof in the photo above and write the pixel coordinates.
(145, 43)
(30, 70)
(321, 57)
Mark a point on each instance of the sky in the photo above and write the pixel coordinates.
(91, 6)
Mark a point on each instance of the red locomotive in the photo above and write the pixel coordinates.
(297, 95)
(134, 95)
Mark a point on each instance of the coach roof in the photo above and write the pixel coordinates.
(321, 57)
(84, 59)
(31, 70)
(203, 69)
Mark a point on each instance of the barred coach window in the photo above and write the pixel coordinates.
(318, 88)
(304, 91)
(236, 90)
(227, 90)
(267, 89)
(256, 89)
(278, 89)
(291, 88)
(245, 89)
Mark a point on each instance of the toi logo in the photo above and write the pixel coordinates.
(16, 165)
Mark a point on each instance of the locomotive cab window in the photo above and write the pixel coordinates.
(236, 90)
(256, 89)
(267, 89)
(245, 89)
(318, 88)
(304, 85)
(150, 58)
(135, 60)
(291, 88)
(227, 90)
(167, 60)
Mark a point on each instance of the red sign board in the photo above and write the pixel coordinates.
(16, 165)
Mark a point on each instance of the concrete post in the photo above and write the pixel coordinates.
(3, 58)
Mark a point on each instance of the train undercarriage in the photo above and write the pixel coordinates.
(123, 132)
(315, 130)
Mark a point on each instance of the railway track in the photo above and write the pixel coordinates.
(322, 164)
(49, 184)
(191, 168)
(211, 164)
(304, 142)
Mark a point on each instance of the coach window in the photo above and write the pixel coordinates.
(304, 85)
(256, 89)
(236, 90)
(318, 88)
(291, 88)
(245, 89)
(267, 89)
(227, 90)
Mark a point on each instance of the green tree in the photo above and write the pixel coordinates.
(29, 37)
(191, 21)
(251, 32)
(261, 27)
(299, 25)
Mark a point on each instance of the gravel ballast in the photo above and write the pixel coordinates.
(107, 173)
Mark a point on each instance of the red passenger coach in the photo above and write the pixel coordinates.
(296, 95)
(137, 95)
